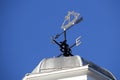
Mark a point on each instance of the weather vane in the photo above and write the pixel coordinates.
(71, 19)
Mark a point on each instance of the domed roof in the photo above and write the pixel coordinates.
(57, 63)
(61, 63)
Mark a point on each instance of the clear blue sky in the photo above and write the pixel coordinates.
(27, 25)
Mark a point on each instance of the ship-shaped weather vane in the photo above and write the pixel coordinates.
(71, 19)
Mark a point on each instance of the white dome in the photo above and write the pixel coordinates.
(57, 63)
(61, 63)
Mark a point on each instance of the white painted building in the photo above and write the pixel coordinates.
(68, 68)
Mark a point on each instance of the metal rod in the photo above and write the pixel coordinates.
(56, 42)
(65, 35)
(72, 45)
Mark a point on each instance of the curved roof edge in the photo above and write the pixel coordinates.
(99, 69)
